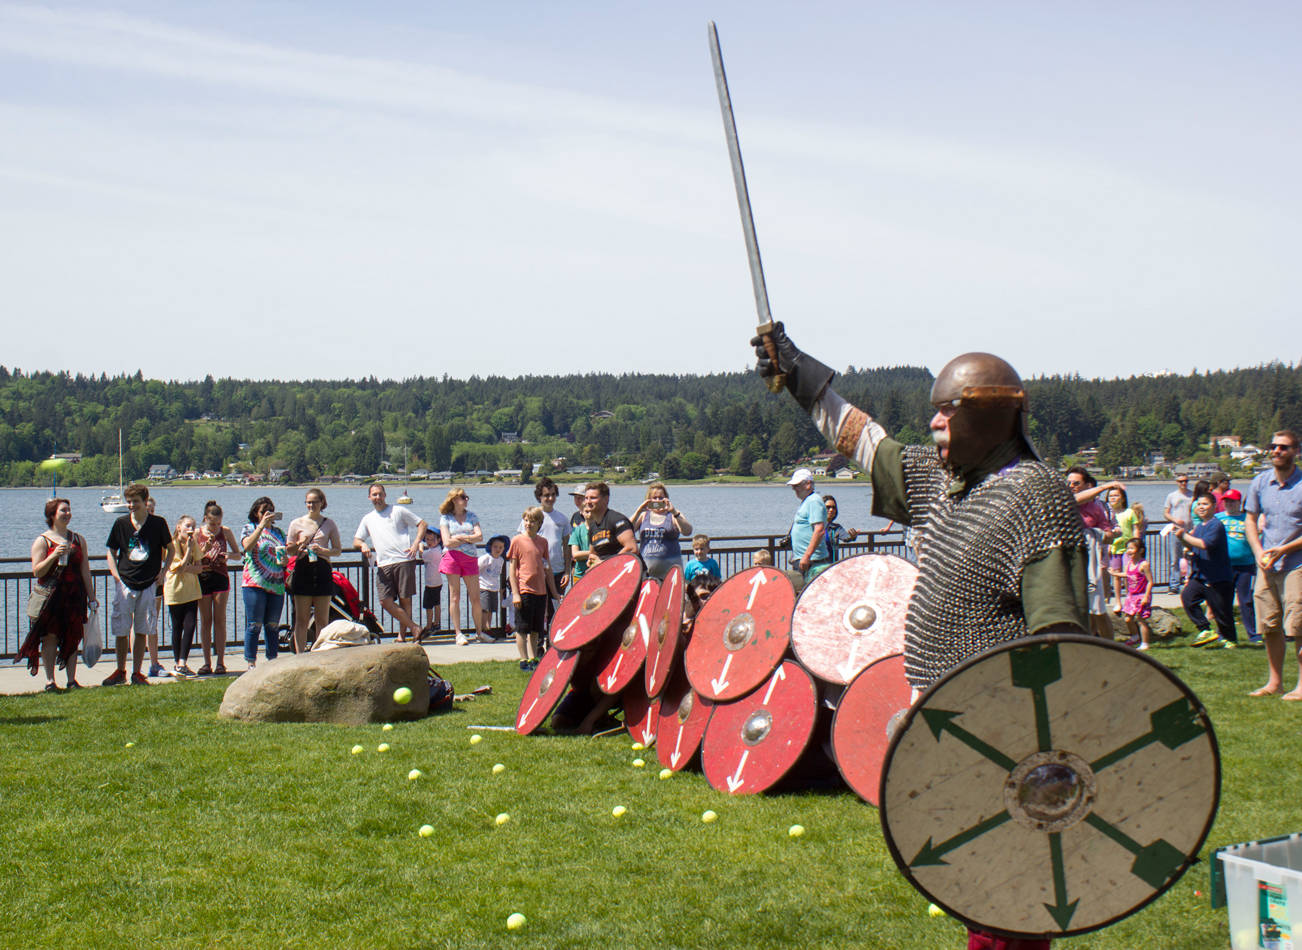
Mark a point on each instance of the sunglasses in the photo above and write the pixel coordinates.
(1281, 447)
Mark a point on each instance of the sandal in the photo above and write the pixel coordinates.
(204, 670)
(221, 669)
(73, 684)
(51, 688)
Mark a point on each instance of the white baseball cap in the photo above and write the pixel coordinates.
(800, 476)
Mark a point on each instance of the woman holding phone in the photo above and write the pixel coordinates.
(263, 583)
(658, 526)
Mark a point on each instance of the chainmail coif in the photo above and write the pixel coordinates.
(971, 551)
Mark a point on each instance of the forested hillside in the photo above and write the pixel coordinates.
(683, 427)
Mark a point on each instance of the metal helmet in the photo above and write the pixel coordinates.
(982, 382)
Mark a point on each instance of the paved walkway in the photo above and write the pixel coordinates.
(14, 680)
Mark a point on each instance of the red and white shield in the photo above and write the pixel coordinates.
(870, 709)
(752, 743)
(683, 717)
(622, 656)
(596, 602)
(852, 615)
(545, 689)
(666, 631)
(641, 714)
(741, 634)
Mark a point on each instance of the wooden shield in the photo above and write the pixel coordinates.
(752, 743)
(546, 687)
(666, 631)
(1050, 786)
(641, 714)
(596, 602)
(622, 659)
(741, 634)
(852, 615)
(683, 717)
(867, 715)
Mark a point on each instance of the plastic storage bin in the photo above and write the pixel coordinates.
(1261, 884)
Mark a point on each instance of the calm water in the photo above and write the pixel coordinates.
(713, 509)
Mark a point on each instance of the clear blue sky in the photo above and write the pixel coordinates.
(329, 189)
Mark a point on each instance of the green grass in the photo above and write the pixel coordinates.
(208, 833)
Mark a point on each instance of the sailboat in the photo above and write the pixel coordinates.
(116, 504)
(404, 498)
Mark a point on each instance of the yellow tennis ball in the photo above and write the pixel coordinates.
(402, 695)
(708, 816)
(502, 818)
(499, 768)
(795, 831)
(357, 750)
(476, 739)
(665, 773)
(387, 727)
(934, 911)
(516, 921)
(638, 763)
(618, 811)
(414, 774)
(426, 831)
(382, 747)
(638, 747)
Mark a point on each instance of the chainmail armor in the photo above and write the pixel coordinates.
(971, 551)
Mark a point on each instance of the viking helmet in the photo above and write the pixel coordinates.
(982, 382)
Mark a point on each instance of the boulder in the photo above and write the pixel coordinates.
(1164, 624)
(350, 687)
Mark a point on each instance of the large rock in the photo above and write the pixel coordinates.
(351, 686)
(1164, 624)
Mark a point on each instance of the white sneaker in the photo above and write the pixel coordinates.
(1142, 647)
(461, 639)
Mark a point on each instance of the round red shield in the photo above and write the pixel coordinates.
(852, 614)
(751, 743)
(666, 630)
(741, 634)
(596, 601)
(870, 709)
(641, 714)
(683, 717)
(622, 658)
(545, 689)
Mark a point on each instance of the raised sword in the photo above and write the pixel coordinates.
(765, 327)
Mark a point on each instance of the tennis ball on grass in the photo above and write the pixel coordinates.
(499, 768)
(618, 811)
(665, 773)
(795, 831)
(638, 747)
(638, 763)
(476, 739)
(414, 774)
(502, 818)
(516, 921)
(387, 727)
(708, 816)
(426, 831)
(356, 750)
(934, 911)
(382, 747)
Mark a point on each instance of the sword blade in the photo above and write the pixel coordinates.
(762, 311)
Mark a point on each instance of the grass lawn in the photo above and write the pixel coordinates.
(207, 833)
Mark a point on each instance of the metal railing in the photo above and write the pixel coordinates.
(733, 552)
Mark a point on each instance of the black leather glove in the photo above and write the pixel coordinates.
(806, 377)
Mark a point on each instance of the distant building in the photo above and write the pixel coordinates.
(513, 473)
(1225, 442)
(509, 437)
(161, 473)
(278, 474)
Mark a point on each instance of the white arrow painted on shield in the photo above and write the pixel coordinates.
(525, 715)
(610, 680)
(565, 629)
(641, 617)
(647, 734)
(673, 758)
(756, 582)
(734, 781)
(779, 674)
(721, 683)
(629, 567)
(848, 666)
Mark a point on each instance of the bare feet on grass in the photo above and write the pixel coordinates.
(1295, 695)
(1268, 690)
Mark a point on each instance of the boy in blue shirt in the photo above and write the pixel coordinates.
(701, 560)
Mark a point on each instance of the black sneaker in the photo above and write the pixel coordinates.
(524, 665)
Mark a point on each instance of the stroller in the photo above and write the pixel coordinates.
(345, 604)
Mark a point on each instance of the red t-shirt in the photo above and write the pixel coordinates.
(530, 557)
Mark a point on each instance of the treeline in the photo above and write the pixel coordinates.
(682, 427)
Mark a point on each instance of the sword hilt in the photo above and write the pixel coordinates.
(777, 382)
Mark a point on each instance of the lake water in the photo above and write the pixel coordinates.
(712, 509)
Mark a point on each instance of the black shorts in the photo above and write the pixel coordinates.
(430, 599)
(531, 614)
(214, 582)
(312, 578)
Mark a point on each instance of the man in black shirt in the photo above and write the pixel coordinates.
(139, 551)
(609, 532)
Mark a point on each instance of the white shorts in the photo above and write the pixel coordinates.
(137, 608)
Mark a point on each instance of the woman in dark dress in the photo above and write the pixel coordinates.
(59, 563)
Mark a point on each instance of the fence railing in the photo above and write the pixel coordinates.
(733, 552)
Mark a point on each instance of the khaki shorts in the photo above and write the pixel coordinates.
(396, 581)
(1279, 597)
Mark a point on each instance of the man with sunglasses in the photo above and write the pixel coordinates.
(1275, 498)
(1178, 510)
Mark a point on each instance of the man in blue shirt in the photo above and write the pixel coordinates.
(809, 529)
(1275, 496)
